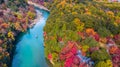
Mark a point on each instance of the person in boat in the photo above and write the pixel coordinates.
(36, 36)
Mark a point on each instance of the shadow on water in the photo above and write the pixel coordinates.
(17, 39)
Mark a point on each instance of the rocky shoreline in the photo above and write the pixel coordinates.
(38, 5)
(38, 17)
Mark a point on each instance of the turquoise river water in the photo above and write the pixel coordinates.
(29, 50)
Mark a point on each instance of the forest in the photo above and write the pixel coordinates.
(78, 33)
(83, 33)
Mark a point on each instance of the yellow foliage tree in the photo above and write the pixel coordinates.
(31, 15)
(17, 26)
(111, 14)
(11, 35)
(79, 24)
(62, 3)
(87, 11)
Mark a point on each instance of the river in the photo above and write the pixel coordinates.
(29, 50)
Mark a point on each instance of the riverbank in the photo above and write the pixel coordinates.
(38, 5)
(38, 17)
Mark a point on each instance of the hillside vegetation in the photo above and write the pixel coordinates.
(82, 33)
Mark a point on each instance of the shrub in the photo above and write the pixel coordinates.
(103, 32)
(107, 63)
(100, 55)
